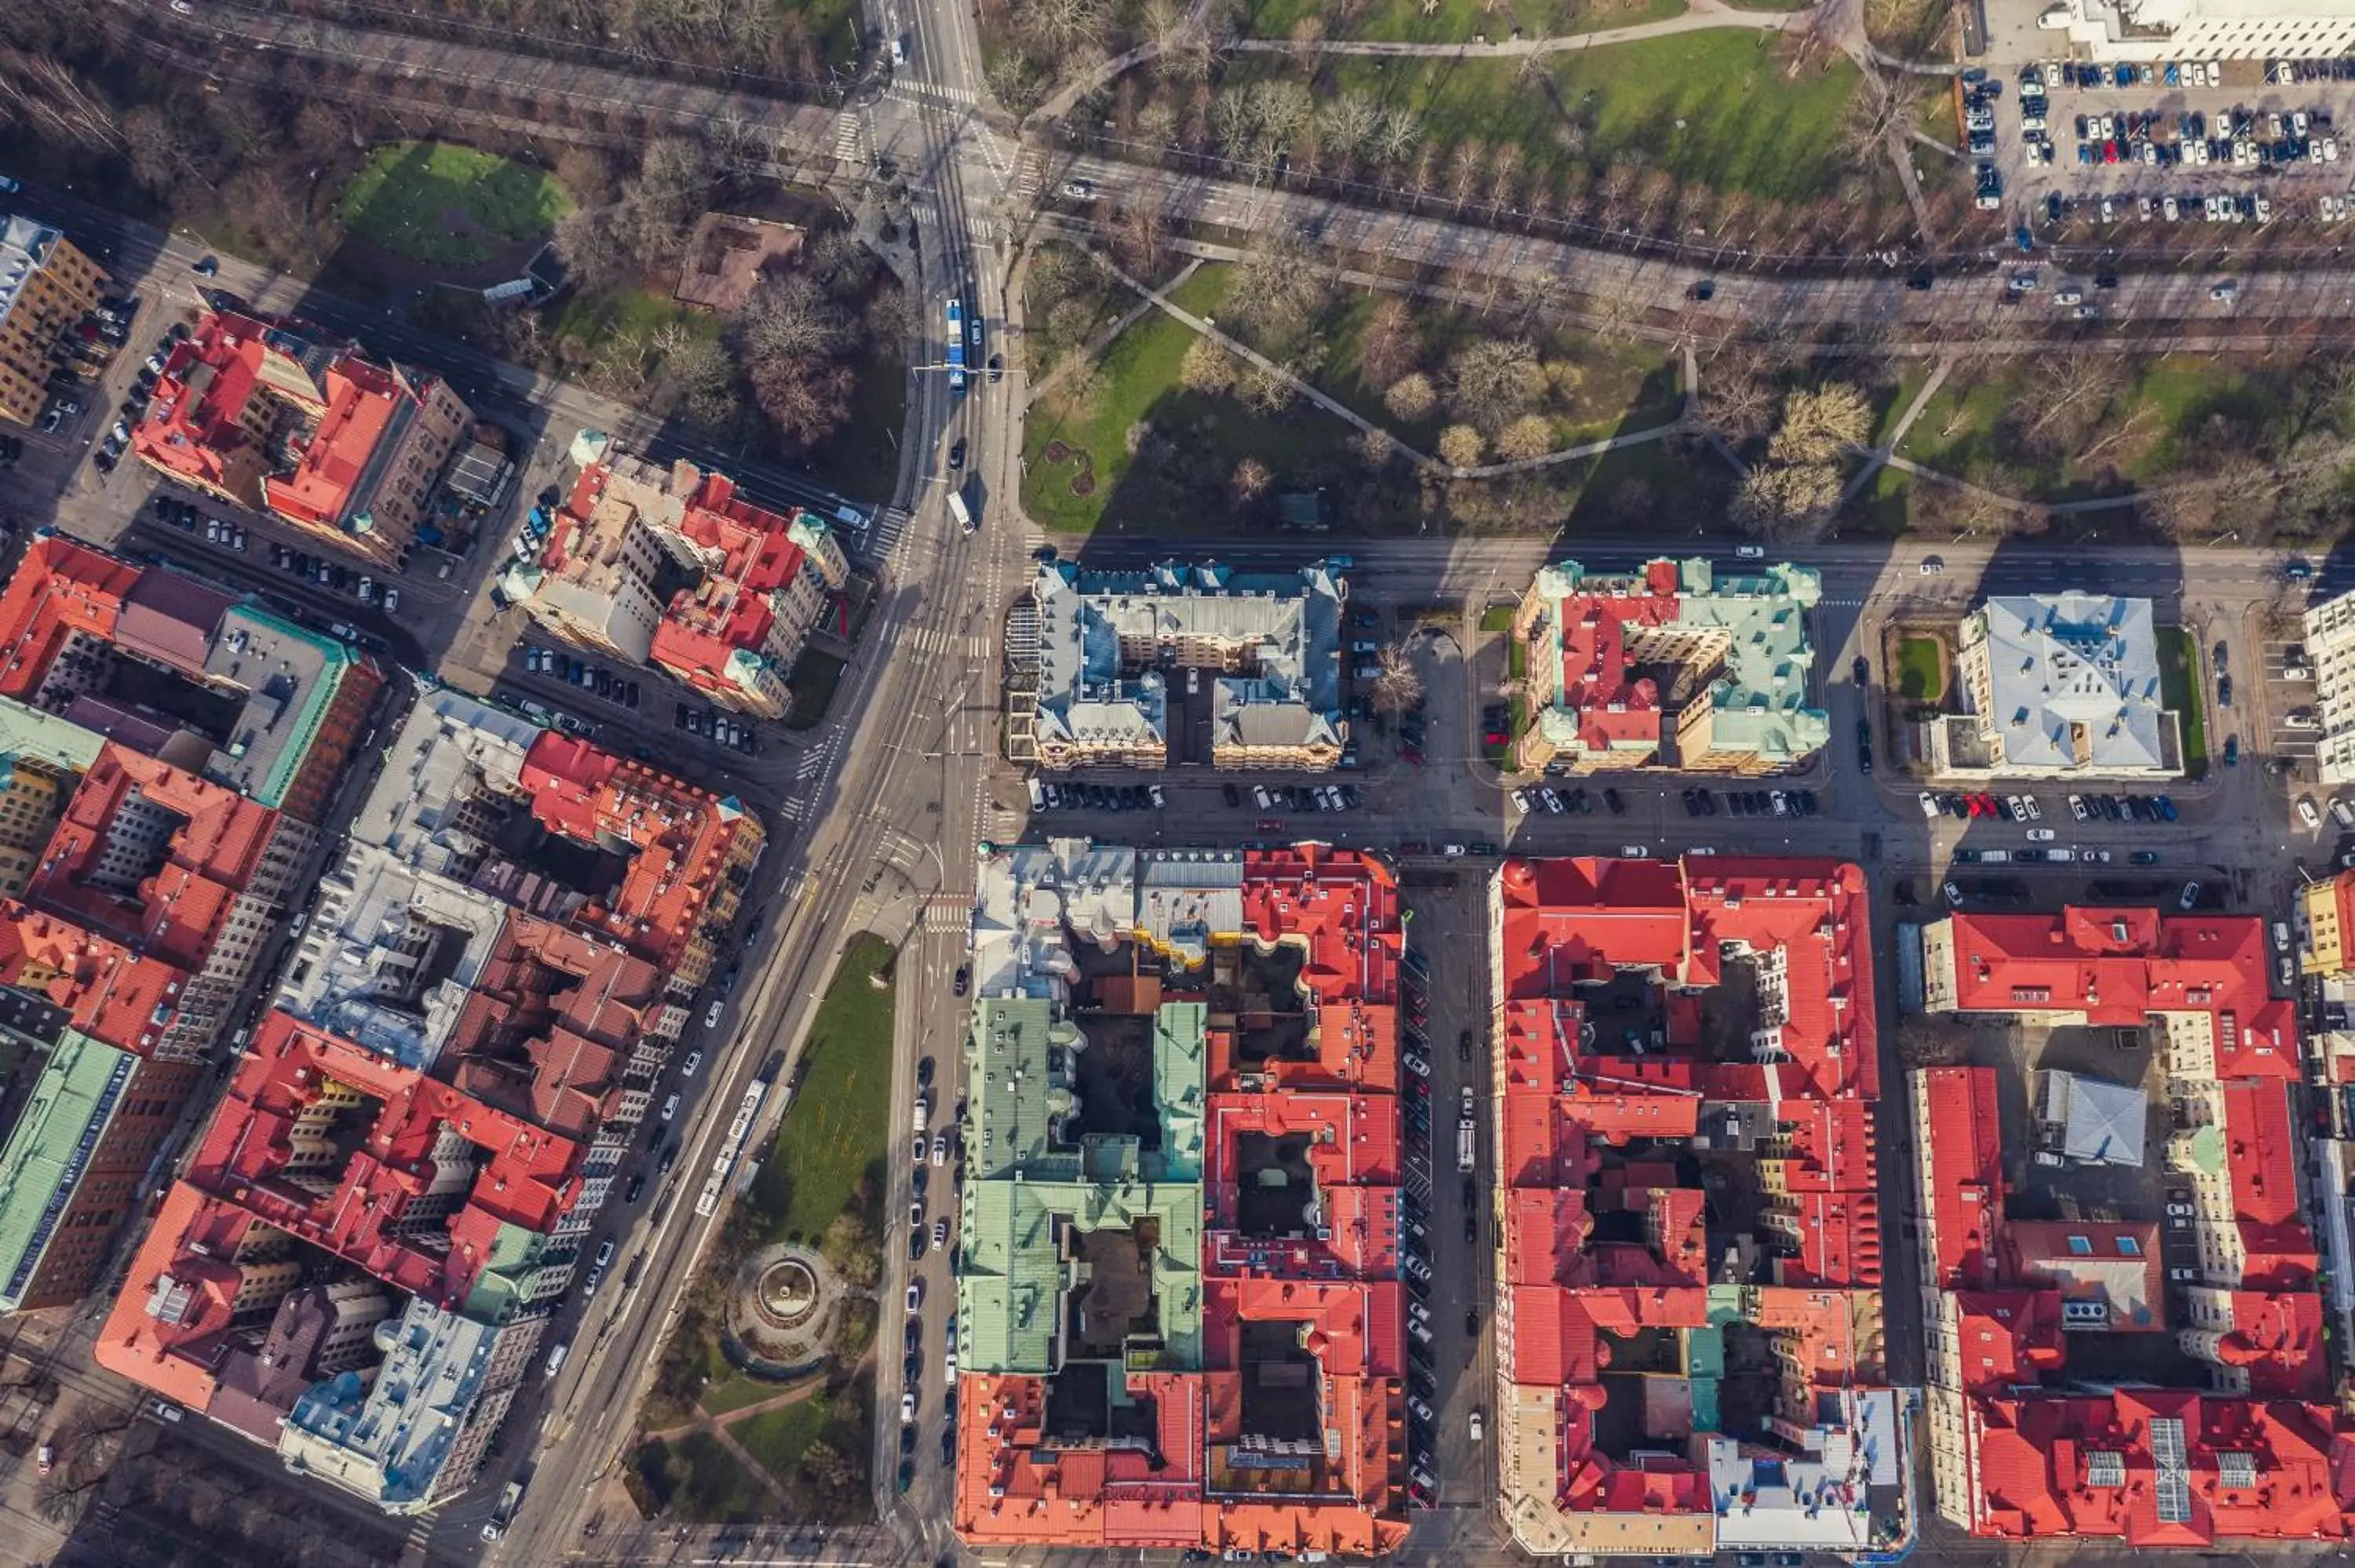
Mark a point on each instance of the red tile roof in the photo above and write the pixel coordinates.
(62, 588)
(1581, 1109)
(678, 840)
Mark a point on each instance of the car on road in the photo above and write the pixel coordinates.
(2191, 895)
(961, 980)
(2039, 835)
(1079, 190)
(2231, 751)
(670, 1108)
(940, 1233)
(939, 1149)
(956, 454)
(2308, 813)
(907, 1409)
(711, 1013)
(1931, 566)
(693, 1060)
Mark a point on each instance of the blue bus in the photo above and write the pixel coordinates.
(956, 345)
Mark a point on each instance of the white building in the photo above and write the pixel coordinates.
(1255, 658)
(2331, 647)
(415, 1432)
(2153, 30)
(2061, 685)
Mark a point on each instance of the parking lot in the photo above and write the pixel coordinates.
(2174, 144)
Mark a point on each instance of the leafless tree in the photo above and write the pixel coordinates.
(1398, 687)
(1492, 381)
(1249, 481)
(1460, 446)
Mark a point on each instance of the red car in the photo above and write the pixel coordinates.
(2109, 152)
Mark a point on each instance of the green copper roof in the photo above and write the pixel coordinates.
(73, 1099)
(515, 1274)
(28, 732)
(1025, 1191)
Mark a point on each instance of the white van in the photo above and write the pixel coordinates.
(556, 1358)
(1038, 795)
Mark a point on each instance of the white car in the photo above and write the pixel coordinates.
(915, 1295)
(939, 1149)
(2018, 808)
(2224, 293)
(2068, 296)
(711, 1013)
(695, 1058)
(1931, 565)
(2307, 813)
(2039, 835)
(2035, 811)
(1477, 1428)
(2077, 807)
(907, 1410)
(1929, 804)
(1416, 1064)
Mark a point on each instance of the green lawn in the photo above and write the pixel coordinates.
(778, 1437)
(2183, 691)
(1716, 109)
(833, 1140)
(697, 1480)
(434, 201)
(1140, 374)
(585, 319)
(1450, 21)
(1497, 618)
(1921, 673)
(816, 673)
(734, 1390)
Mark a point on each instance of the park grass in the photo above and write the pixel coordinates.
(2182, 690)
(833, 1140)
(779, 1437)
(588, 319)
(1140, 371)
(1920, 673)
(1453, 21)
(695, 1479)
(815, 675)
(438, 202)
(1497, 618)
(1717, 109)
(734, 1391)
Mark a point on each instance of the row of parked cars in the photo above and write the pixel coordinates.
(2025, 808)
(1075, 797)
(581, 672)
(327, 574)
(713, 725)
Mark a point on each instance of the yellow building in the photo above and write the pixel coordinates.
(29, 797)
(46, 287)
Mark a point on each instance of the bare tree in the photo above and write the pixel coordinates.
(1388, 348)
(1492, 381)
(1412, 397)
(1460, 446)
(1526, 439)
(1398, 687)
(1249, 481)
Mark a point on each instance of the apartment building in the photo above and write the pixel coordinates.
(669, 567)
(47, 286)
(2151, 31)
(1676, 666)
(1233, 1380)
(1185, 664)
(2330, 649)
(2060, 686)
(2224, 1429)
(152, 906)
(270, 709)
(328, 1165)
(1690, 1337)
(280, 415)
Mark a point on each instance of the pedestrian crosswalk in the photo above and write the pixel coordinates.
(850, 136)
(1027, 175)
(973, 645)
(888, 531)
(814, 761)
(795, 808)
(947, 913)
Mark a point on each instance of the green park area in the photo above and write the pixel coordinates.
(1079, 465)
(438, 202)
(1921, 670)
(829, 1153)
(720, 1445)
(1447, 21)
(1723, 108)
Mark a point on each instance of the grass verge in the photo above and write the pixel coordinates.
(1497, 618)
(1453, 21)
(830, 1152)
(434, 201)
(2182, 690)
